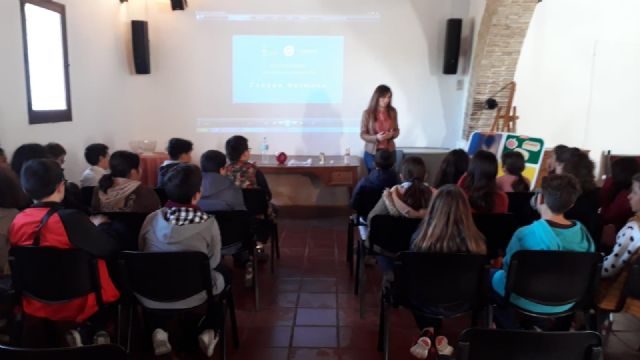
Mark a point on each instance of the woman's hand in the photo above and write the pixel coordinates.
(381, 136)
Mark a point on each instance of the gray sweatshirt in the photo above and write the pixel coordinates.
(159, 235)
(219, 193)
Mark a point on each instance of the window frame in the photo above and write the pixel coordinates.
(46, 116)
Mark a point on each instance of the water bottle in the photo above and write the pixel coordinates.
(264, 150)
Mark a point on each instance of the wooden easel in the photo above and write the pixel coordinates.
(506, 117)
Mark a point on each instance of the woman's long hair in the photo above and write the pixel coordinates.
(452, 167)
(380, 91)
(622, 171)
(120, 164)
(480, 182)
(417, 195)
(448, 226)
(513, 163)
(582, 168)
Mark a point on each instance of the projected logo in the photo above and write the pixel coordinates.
(287, 69)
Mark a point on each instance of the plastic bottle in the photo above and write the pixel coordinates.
(264, 150)
(347, 155)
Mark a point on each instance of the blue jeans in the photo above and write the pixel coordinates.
(369, 161)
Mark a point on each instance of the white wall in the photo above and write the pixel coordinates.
(579, 75)
(113, 106)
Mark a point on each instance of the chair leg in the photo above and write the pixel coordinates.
(357, 277)
(223, 337)
(350, 245)
(386, 329)
(256, 286)
(362, 281)
(381, 325)
(129, 327)
(276, 238)
(273, 254)
(231, 306)
(119, 325)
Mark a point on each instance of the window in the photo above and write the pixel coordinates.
(46, 61)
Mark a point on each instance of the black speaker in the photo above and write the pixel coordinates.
(452, 46)
(178, 4)
(140, 41)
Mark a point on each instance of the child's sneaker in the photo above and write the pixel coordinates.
(208, 340)
(101, 337)
(443, 347)
(421, 348)
(73, 338)
(248, 275)
(160, 340)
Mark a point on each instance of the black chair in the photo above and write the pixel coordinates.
(174, 276)
(235, 231)
(54, 275)
(497, 230)
(162, 195)
(127, 226)
(481, 344)
(87, 195)
(93, 352)
(520, 207)
(554, 278)
(258, 206)
(362, 205)
(388, 235)
(429, 280)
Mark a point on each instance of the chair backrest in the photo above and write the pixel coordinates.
(87, 195)
(93, 352)
(430, 279)
(632, 287)
(235, 226)
(481, 344)
(54, 275)
(165, 276)
(520, 207)
(162, 195)
(127, 226)
(554, 278)
(497, 229)
(392, 233)
(255, 201)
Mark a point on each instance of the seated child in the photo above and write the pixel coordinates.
(181, 226)
(512, 181)
(382, 177)
(179, 152)
(219, 193)
(97, 155)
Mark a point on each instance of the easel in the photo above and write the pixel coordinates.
(506, 117)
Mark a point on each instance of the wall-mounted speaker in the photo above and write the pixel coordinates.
(178, 4)
(140, 41)
(452, 46)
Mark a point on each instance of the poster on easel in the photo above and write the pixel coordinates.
(499, 142)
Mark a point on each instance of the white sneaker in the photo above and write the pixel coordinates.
(101, 337)
(160, 340)
(73, 338)
(421, 348)
(208, 340)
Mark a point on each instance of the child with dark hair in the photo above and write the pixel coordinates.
(243, 173)
(55, 152)
(121, 189)
(558, 152)
(615, 208)
(479, 183)
(54, 226)
(219, 193)
(182, 226)
(97, 155)
(513, 165)
(452, 167)
(553, 232)
(25, 153)
(179, 153)
(577, 163)
(371, 186)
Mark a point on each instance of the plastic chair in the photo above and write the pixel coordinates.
(497, 230)
(93, 352)
(258, 207)
(174, 276)
(428, 280)
(481, 344)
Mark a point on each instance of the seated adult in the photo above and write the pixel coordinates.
(219, 193)
(479, 183)
(586, 206)
(513, 164)
(614, 203)
(626, 250)
(448, 228)
(121, 189)
(382, 177)
(58, 227)
(179, 153)
(553, 232)
(181, 226)
(452, 167)
(97, 155)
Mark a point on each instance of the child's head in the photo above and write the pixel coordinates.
(559, 193)
(480, 183)
(183, 184)
(122, 164)
(557, 152)
(448, 226)
(581, 167)
(213, 161)
(385, 159)
(622, 172)
(180, 149)
(25, 153)
(237, 148)
(56, 152)
(513, 162)
(417, 195)
(42, 179)
(97, 155)
(453, 166)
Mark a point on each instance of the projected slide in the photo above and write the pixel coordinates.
(287, 69)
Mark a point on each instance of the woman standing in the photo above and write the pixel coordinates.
(379, 125)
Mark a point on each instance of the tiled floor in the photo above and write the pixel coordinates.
(308, 309)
